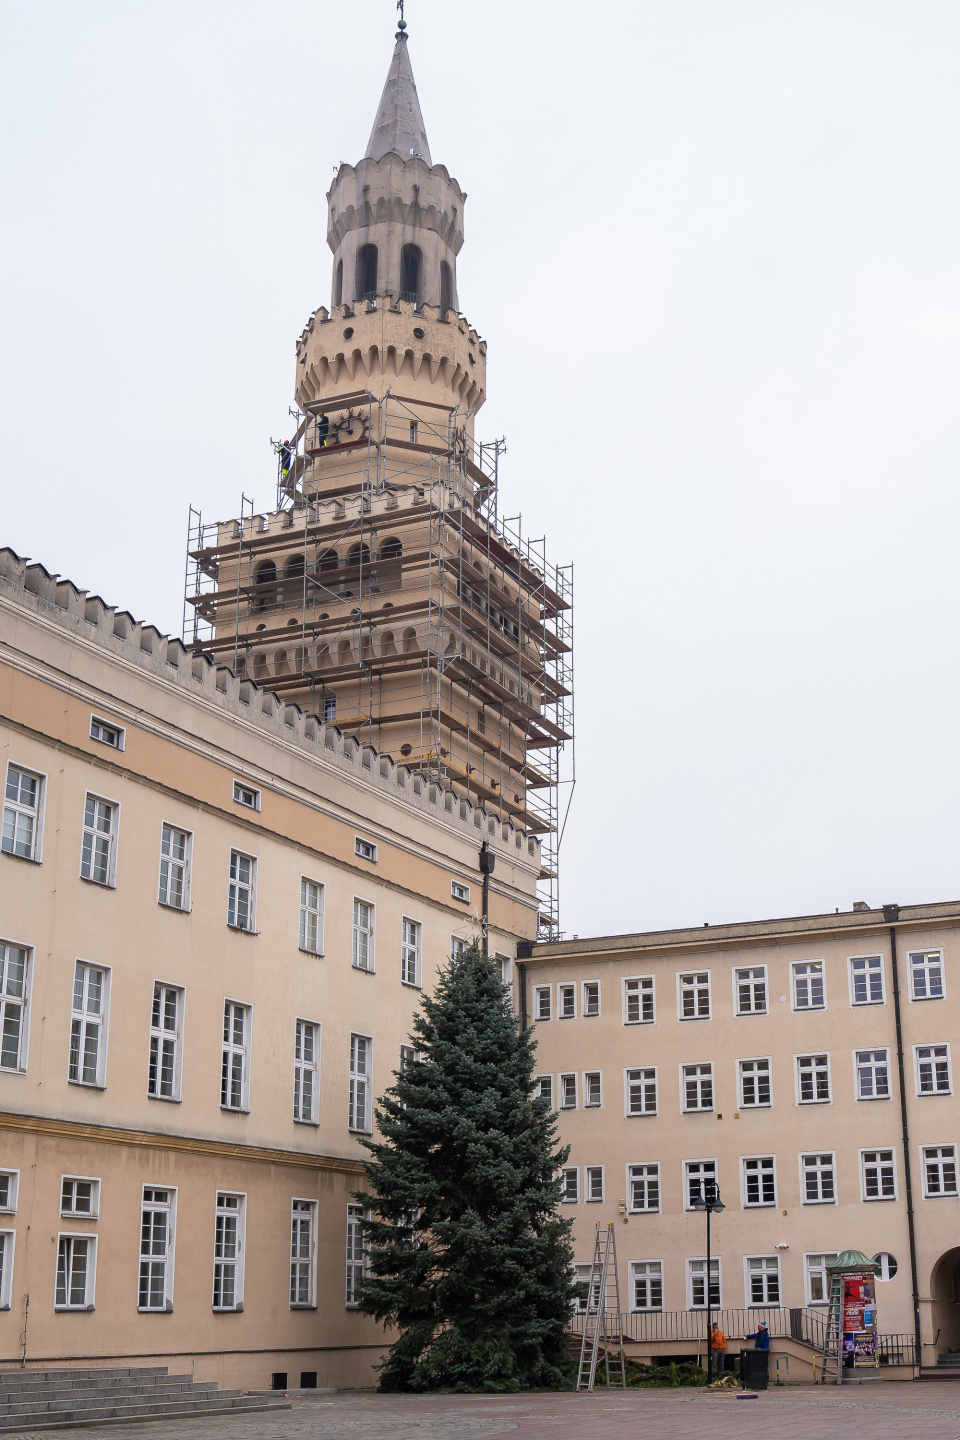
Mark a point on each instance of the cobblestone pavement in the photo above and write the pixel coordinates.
(892, 1411)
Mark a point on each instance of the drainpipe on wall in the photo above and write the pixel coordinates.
(891, 913)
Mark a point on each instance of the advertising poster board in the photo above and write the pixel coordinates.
(860, 1320)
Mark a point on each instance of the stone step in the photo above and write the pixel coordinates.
(146, 1385)
(42, 1402)
(13, 1377)
(109, 1413)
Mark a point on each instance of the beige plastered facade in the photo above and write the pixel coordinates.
(728, 1131)
(190, 731)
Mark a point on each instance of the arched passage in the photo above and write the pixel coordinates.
(945, 1316)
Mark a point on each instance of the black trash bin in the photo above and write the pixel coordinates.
(754, 1369)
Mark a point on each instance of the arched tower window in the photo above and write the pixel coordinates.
(329, 560)
(367, 272)
(266, 579)
(293, 574)
(446, 288)
(410, 266)
(338, 284)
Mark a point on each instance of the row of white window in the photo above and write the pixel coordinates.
(87, 1058)
(866, 985)
(21, 834)
(813, 1085)
(76, 1272)
(758, 1179)
(761, 1281)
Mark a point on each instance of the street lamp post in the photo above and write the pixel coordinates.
(708, 1199)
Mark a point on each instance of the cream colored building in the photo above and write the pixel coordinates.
(762, 1057)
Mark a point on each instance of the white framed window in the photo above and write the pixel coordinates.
(8, 1240)
(15, 978)
(23, 813)
(592, 1089)
(98, 853)
(640, 1091)
(235, 1062)
(639, 1006)
(79, 1196)
(696, 1087)
(361, 1068)
(646, 1284)
(303, 1254)
(566, 1002)
(76, 1272)
(809, 992)
(590, 998)
(363, 927)
(813, 1079)
(457, 946)
(543, 1089)
(88, 1025)
(329, 709)
(643, 1188)
(593, 1184)
(939, 1170)
(750, 990)
(585, 1304)
(246, 795)
(697, 1283)
(693, 995)
(166, 1051)
(356, 1254)
(567, 1090)
(311, 916)
(570, 1185)
(228, 1238)
(816, 1280)
(157, 1233)
(762, 1279)
(459, 891)
(410, 944)
(505, 963)
(175, 850)
(758, 1180)
(541, 1002)
(699, 1181)
(932, 1067)
(926, 974)
(753, 1078)
(365, 849)
(107, 733)
(866, 979)
(9, 1186)
(818, 1182)
(306, 1073)
(888, 1265)
(878, 1175)
(873, 1074)
(242, 893)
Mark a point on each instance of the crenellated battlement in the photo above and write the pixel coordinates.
(33, 586)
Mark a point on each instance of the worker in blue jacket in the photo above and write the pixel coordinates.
(760, 1337)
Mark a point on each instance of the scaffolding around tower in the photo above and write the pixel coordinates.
(385, 594)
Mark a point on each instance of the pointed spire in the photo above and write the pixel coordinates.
(399, 123)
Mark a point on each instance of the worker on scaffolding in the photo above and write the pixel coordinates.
(323, 430)
(285, 450)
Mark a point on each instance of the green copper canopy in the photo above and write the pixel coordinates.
(854, 1260)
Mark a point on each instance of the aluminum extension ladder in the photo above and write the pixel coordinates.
(832, 1371)
(603, 1299)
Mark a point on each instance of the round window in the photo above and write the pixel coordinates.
(418, 334)
(888, 1265)
(348, 333)
(406, 749)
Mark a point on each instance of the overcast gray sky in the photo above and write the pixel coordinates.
(713, 246)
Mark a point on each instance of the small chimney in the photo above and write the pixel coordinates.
(860, 905)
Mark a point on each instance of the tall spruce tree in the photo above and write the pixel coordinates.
(468, 1256)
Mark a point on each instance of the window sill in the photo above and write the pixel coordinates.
(73, 1309)
(639, 1022)
(643, 1212)
(234, 1110)
(880, 1199)
(593, 1105)
(177, 909)
(750, 1014)
(313, 1124)
(760, 1205)
(865, 1004)
(818, 1202)
(808, 1009)
(642, 1114)
(352, 1131)
(155, 1310)
(100, 884)
(228, 1309)
(869, 1099)
(685, 1019)
(241, 929)
(295, 1306)
(412, 984)
(592, 1201)
(364, 969)
(592, 1015)
(922, 999)
(706, 1110)
(86, 1085)
(166, 1099)
(317, 954)
(27, 859)
(928, 1094)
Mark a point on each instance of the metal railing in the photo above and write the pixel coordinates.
(808, 1327)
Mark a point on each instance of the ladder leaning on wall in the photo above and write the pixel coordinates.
(603, 1302)
(832, 1371)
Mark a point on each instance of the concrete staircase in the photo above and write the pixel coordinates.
(946, 1368)
(45, 1399)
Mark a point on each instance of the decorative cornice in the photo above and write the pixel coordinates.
(187, 1144)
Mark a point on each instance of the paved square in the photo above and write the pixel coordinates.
(893, 1411)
